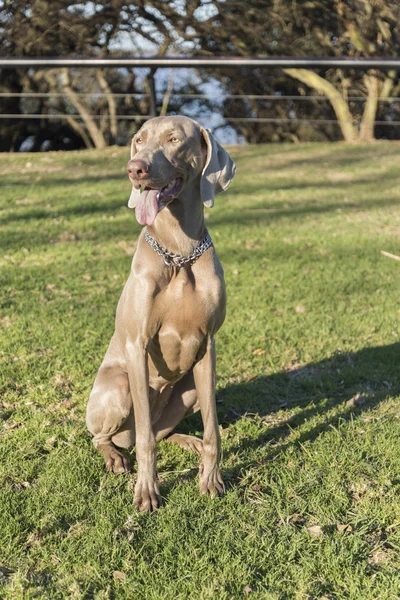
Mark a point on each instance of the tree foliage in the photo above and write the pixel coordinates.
(62, 28)
(334, 28)
(312, 28)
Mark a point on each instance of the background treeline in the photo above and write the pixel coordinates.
(312, 28)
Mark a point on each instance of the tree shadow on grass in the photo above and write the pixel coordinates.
(16, 238)
(265, 214)
(73, 208)
(351, 382)
(53, 181)
(344, 154)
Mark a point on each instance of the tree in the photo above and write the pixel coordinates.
(60, 28)
(365, 28)
(361, 28)
(206, 27)
(52, 28)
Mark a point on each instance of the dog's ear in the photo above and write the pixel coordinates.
(133, 198)
(218, 171)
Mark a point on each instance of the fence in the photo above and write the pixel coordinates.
(152, 64)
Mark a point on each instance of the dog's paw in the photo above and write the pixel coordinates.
(211, 482)
(187, 442)
(147, 495)
(116, 462)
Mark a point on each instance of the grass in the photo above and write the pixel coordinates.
(308, 388)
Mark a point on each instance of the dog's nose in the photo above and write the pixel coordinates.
(137, 169)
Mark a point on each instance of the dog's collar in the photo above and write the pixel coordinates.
(177, 260)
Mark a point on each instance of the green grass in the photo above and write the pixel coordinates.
(308, 388)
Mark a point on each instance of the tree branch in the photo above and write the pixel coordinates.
(339, 105)
(80, 130)
(167, 95)
(94, 131)
(371, 82)
(112, 107)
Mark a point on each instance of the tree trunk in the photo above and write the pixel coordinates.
(375, 90)
(150, 87)
(388, 85)
(94, 132)
(370, 109)
(80, 130)
(112, 108)
(339, 104)
(167, 95)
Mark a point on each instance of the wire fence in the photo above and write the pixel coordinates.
(219, 97)
(310, 98)
(185, 62)
(225, 117)
(155, 101)
(194, 96)
(61, 116)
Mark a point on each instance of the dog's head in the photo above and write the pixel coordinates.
(174, 157)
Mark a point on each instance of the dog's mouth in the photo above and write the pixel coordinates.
(151, 200)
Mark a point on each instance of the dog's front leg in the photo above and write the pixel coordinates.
(204, 378)
(147, 496)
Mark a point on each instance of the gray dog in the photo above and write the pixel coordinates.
(160, 363)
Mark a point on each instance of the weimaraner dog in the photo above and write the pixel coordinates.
(160, 363)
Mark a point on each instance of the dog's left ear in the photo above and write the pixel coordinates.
(218, 172)
(133, 198)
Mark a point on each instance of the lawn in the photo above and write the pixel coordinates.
(308, 385)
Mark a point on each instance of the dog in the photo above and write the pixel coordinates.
(160, 363)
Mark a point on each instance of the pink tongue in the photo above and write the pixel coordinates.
(147, 207)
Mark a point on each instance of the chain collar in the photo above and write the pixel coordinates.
(177, 260)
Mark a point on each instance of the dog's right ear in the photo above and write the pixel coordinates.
(133, 198)
(218, 172)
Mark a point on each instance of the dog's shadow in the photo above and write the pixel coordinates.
(354, 382)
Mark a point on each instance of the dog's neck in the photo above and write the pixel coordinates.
(180, 226)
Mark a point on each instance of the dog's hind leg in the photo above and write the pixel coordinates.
(109, 415)
(181, 404)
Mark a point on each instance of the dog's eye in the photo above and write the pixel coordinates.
(139, 140)
(173, 139)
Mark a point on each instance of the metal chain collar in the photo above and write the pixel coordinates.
(177, 260)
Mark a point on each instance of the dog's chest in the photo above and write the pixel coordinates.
(186, 314)
(189, 304)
